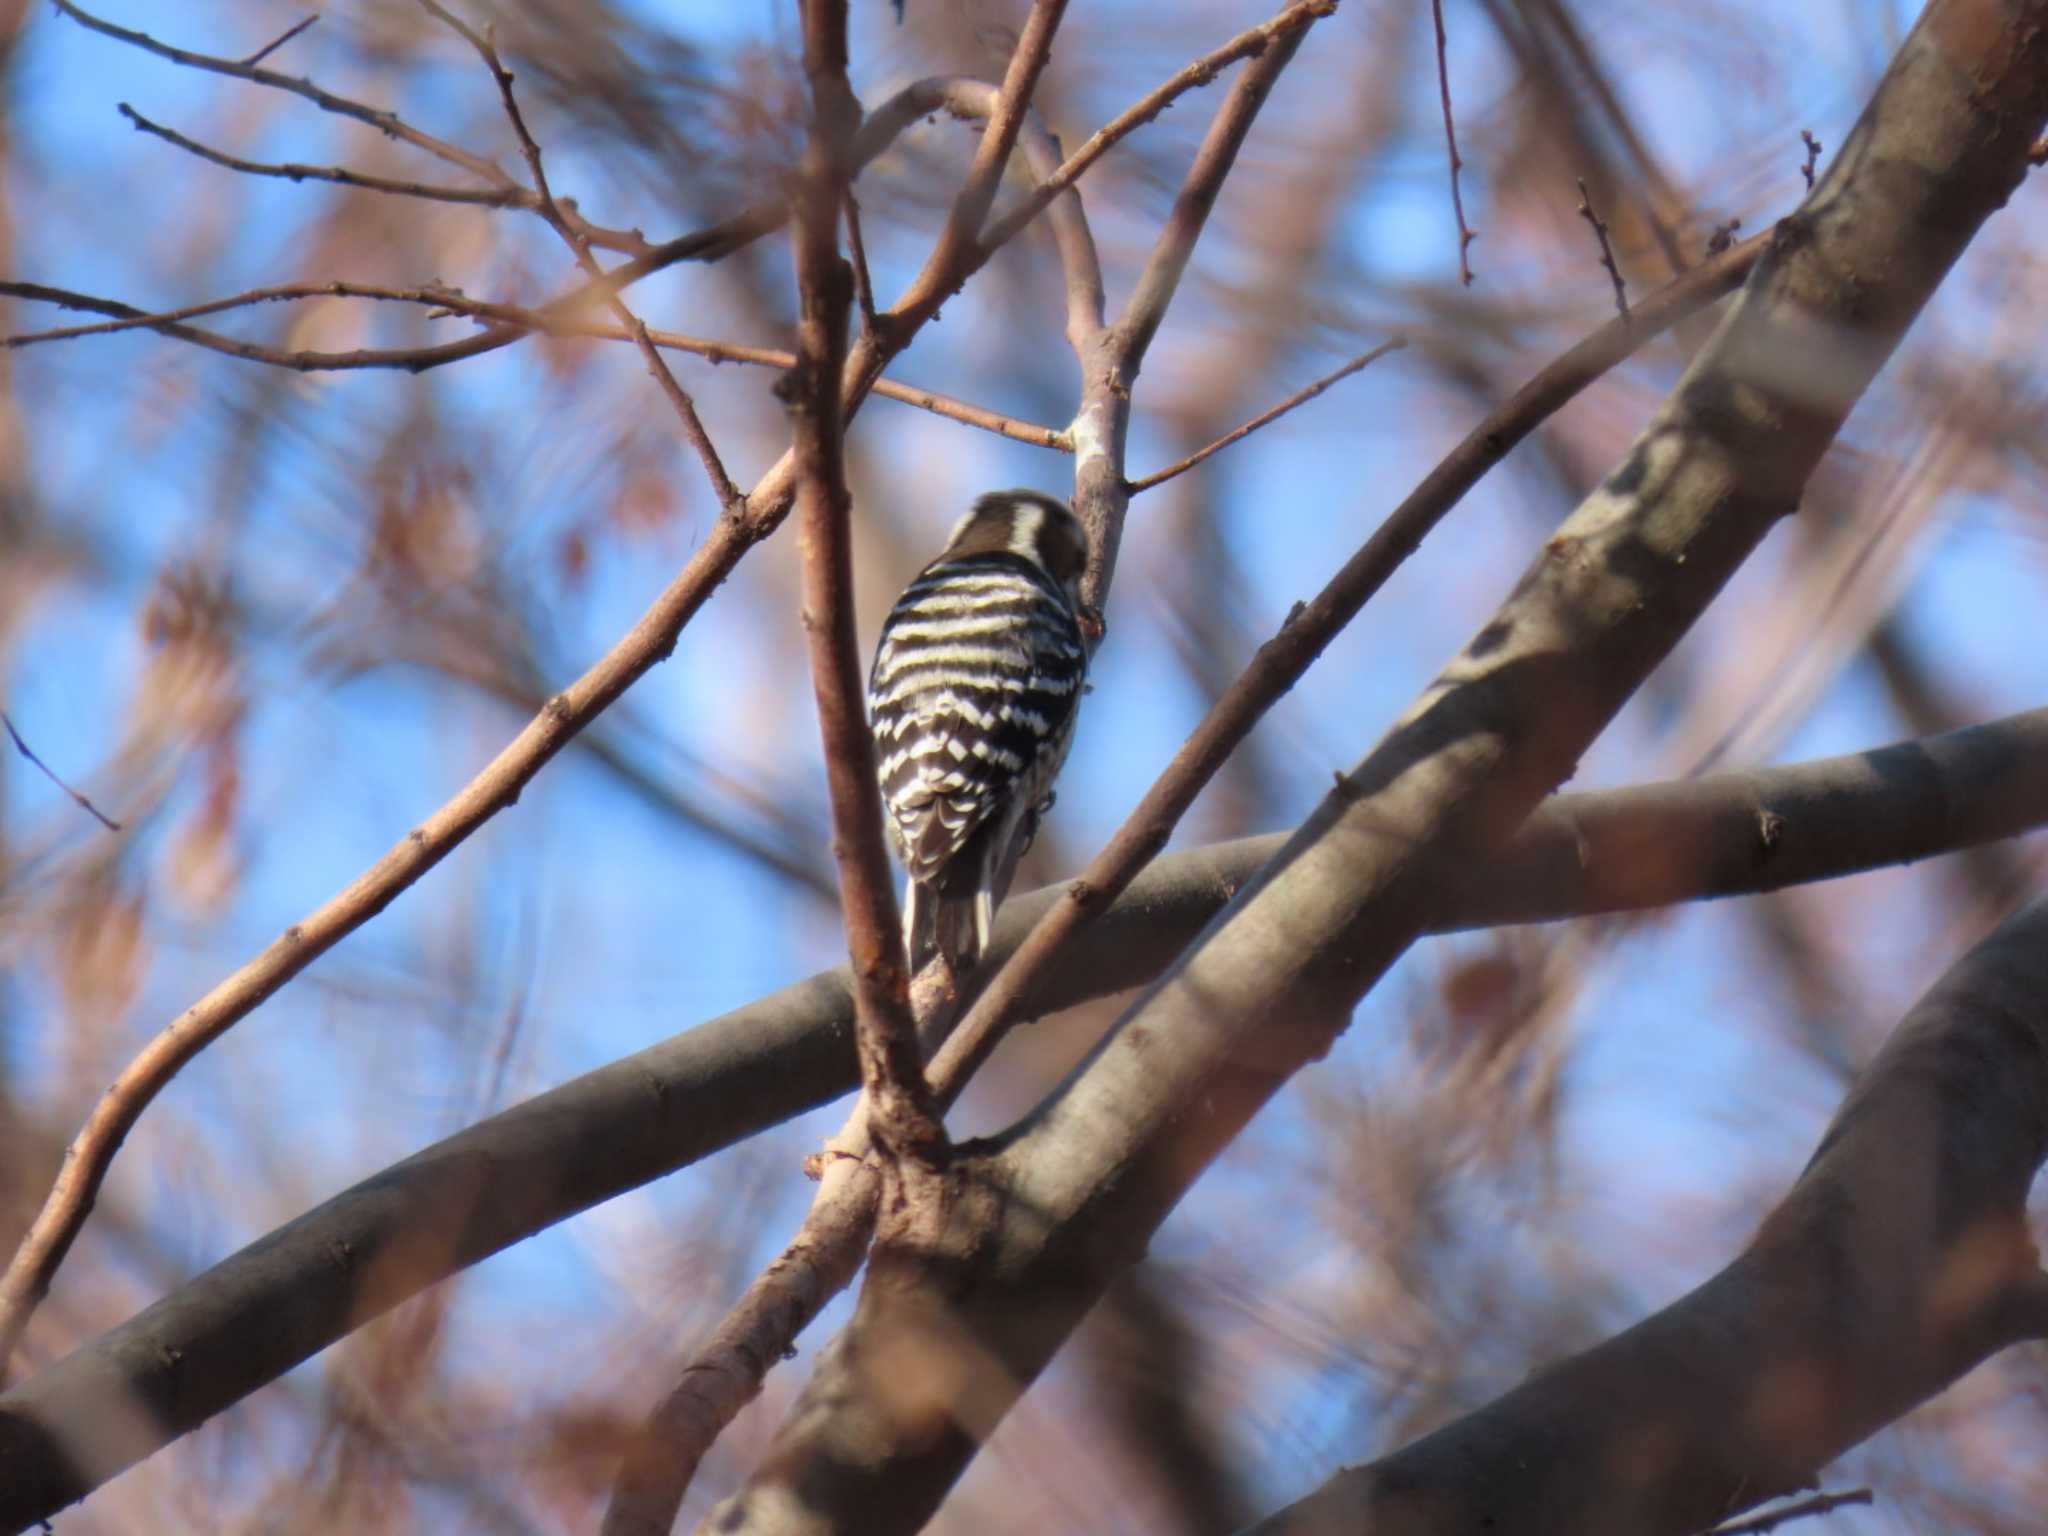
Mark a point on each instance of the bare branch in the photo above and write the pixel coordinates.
(387, 123)
(451, 302)
(271, 47)
(1607, 251)
(1112, 358)
(857, 248)
(1266, 418)
(885, 1035)
(510, 195)
(51, 774)
(1819, 1504)
(258, 1313)
(998, 136)
(1203, 71)
(1887, 1271)
(729, 495)
(1443, 79)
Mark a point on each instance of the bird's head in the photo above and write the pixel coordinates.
(1030, 524)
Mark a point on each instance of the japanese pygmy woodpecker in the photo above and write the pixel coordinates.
(973, 694)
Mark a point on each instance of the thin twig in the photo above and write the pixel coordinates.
(857, 248)
(509, 195)
(449, 301)
(387, 123)
(1267, 417)
(1813, 151)
(1606, 251)
(269, 48)
(1819, 1504)
(1443, 79)
(51, 774)
(728, 494)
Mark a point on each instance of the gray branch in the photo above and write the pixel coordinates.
(262, 1311)
(1898, 1261)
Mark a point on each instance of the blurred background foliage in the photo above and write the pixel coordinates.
(269, 619)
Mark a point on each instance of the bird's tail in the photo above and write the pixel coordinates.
(953, 914)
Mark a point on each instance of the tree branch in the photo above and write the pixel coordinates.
(1899, 1260)
(390, 124)
(1443, 81)
(258, 1313)
(452, 302)
(1043, 1219)
(1268, 417)
(730, 498)
(885, 1035)
(510, 195)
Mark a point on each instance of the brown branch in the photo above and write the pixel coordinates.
(727, 1370)
(390, 124)
(729, 495)
(1819, 1504)
(1200, 72)
(1281, 661)
(259, 1313)
(132, 319)
(510, 195)
(1267, 417)
(885, 1035)
(921, 1196)
(452, 302)
(1443, 79)
(1813, 151)
(1112, 358)
(1606, 250)
(857, 249)
(286, 36)
(51, 774)
(998, 137)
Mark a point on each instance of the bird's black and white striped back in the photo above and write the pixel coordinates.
(973, 695)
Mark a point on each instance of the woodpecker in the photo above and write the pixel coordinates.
(973, 693)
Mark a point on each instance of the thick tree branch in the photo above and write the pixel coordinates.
(257, 1314)
(1040, 1221)
(1899, 1260)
